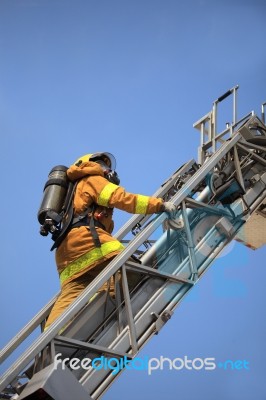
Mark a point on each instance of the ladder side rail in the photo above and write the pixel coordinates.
(27, 330)
(263, 112)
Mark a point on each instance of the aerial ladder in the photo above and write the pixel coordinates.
(219, 198)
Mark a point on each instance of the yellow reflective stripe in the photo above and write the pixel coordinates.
(106, 193)
(142, 204)
(89, 258)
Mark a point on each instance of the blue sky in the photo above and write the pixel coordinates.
(131, 78)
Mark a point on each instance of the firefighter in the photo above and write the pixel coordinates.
(89, 246)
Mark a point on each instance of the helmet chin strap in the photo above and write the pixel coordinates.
(112, 176)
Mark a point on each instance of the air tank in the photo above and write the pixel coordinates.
(54, 193)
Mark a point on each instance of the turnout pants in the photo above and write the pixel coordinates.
(71, 290)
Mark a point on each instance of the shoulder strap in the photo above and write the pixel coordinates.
(90, 222)
(93, 230)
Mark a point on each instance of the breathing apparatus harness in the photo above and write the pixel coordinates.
(56, 213)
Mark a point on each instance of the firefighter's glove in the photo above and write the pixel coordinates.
(170, 209)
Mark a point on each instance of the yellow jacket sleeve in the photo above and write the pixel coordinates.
(99, 190)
